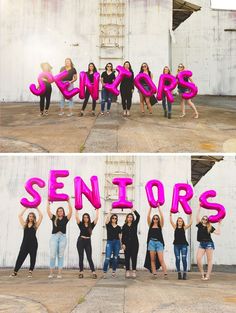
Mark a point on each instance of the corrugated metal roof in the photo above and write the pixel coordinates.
(182, 10)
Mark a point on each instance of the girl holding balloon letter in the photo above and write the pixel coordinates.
(206, 244)
(29, 243)
(180, 244)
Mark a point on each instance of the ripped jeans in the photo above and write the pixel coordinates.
(112, 247)
(57, 249)
(183, 250)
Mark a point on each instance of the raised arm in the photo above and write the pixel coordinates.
(172, 222)
(161, 216)
(190, 223)
(70, 209)
(49, 210)
(20, 216)
(108, 216)
(137, 216)
(40, 217)
(198, 214)
(149, 216)
(217, 230)
(96, 217)
(77, 216)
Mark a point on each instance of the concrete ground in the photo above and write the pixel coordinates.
(22, 130)
(117, 295)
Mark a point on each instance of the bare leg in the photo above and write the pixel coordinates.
(141, 102)
(200, 254)
(147, 99)
(153, 261)
(162, 262)
(191, 104)
(182, 105)
(209, 254)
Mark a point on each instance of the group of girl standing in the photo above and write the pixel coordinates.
(107, 77)
(125, 238)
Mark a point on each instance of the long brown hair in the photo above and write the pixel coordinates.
(114, 215)
(208, 224)
(141, 69)
(158, 223)
(126, 218)
(56, 219)
(168, 69)
(180, 218)
(27, 220)
(89, 222)
(71, 63)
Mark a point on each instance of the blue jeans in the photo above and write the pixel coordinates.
(164, 102)
(57, 249)
(183, 250)
(70, 101)
(112, 247)
(106, 97)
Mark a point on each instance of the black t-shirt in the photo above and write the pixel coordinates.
(90, 77)
(61, 224)
(70, 74)
(180, 238)
(202, 233)
(113, 232)
(108, 79)
(86, 231)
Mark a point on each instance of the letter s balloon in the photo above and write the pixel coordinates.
(189, 85)
(35, 195)
(42, 87)
(212, 206)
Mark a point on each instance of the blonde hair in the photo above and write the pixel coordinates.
(56, 219)
(180, 64)
(208, 224)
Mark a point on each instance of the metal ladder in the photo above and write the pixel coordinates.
(117, 166)
(112, 32)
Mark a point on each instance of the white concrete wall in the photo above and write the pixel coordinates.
(15, 170)
(222, 178)
(32, 32)
(203, 46)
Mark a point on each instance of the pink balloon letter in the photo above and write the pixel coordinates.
(63, 86)
(122, 202)
(122, 73)
(191, 86)
(42, 87)
(166, 89)
(160, 191)
(92, 195)
(147, 79)
(29, 188)
(212, 206)
(53, 185)
(93, 88)
(183, 200)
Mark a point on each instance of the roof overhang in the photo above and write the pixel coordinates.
(182, 10)
(201, 164)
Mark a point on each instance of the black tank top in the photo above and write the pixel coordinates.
(29, 235)
(155, 233)
(180, 238)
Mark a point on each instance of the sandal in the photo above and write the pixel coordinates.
(165, 276)
(81, 275)
(30, 274)
(196, 115)
(13, 274)
(94, 276)
(182, 115)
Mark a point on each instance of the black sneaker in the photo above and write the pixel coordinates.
(179, 275)
(169, 115)
(165, 113)
(184, 276)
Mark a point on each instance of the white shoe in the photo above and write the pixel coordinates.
(104, 276)
(59, 276)
(50, 276)
(128, 113)
(113, 274)
(61, 113)
(134, 274)
(127, 275)
(69, 114)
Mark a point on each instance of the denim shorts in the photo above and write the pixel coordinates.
(207, 245)
(155, 245)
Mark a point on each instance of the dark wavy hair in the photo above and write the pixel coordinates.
(27, 220)
(109, 63)
(168, 69)
(94, 67)
(180, 218)
(141, 69)
(130, 67)
(158, 223)
(126, 218)
(113, 216)
(89, 222)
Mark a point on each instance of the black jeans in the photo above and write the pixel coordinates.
(126, 99)
(131, 252)
(47, 96)
(85, 245)
(87, 95)
(25, 249)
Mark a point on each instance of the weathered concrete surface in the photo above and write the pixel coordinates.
(118, 295)
(214, 131)
(39, 294)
